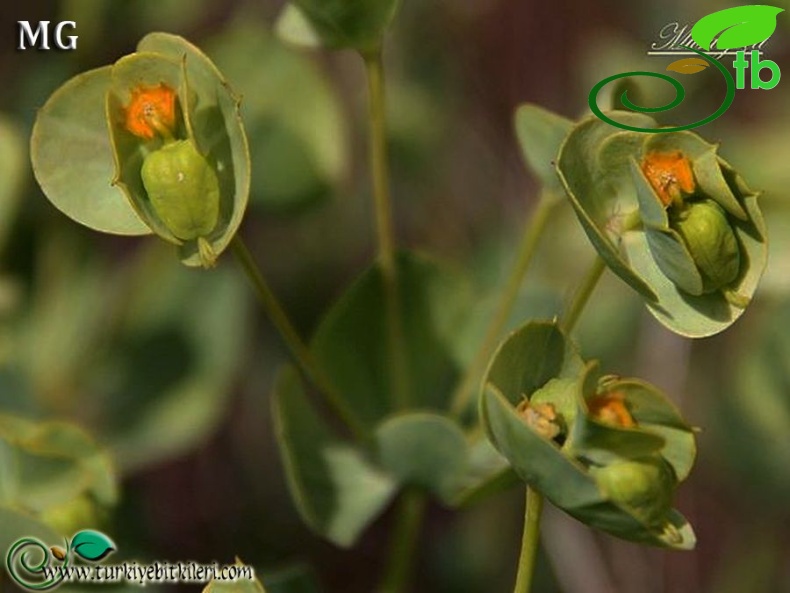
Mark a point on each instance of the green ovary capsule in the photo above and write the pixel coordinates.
(183, 189)
(644, 486)
(711, 242)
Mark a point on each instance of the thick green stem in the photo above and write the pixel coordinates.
(290, 336)
(534, 502)
(529, 242)
(379, 166)
(411, 511)
(533, 506)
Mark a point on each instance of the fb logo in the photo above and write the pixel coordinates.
(730, 28)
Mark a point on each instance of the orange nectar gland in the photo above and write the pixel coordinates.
(152, 111)
(610, 408)
(670, 175)
(542, 417)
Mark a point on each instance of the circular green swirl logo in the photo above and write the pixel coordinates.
(680, 94)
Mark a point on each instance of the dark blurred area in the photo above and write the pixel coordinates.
(88, 321)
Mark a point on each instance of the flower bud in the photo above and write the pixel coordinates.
(711, 242)
(183, 189)
(644, 487)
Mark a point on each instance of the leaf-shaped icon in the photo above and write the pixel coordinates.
(91, 545)
(736, 27)
(58, 552)
(688, 65)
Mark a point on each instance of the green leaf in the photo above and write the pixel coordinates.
(488, 473)
(294, 27)
(736, 27)
(602, 443)
(654, 412)
(674, 259)
(352, 24)
(709, 173)
(424, 450)
(92, 545)
(529, 358)
(295, 125)
(540, 134)
(351, 343)
(72, 157)
(337, 491)
(53, 471)
(684, 314)
(594, 186)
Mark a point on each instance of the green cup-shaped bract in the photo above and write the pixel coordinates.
(82, 128)
(615, 477)
(644, 486)
(694, 254)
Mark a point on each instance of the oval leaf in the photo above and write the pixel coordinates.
(296, 129)
(337, 491)
(92, 545)
(350, 344)
(540, 134)
(73, 160)
(688, 66)
(424, 450)
(736, 27)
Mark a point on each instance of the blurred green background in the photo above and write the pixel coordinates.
(170, 369)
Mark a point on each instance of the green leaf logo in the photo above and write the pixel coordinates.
(92, 545)
(736, 27)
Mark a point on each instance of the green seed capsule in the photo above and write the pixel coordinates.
(644, 486)
(183, 189)
(711, 242)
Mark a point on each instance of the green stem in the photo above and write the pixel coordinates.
(290, 336)
(534, 502)
(583, 294)
(379, 166)
(411, 511)
(533, 506)
(529, 242)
